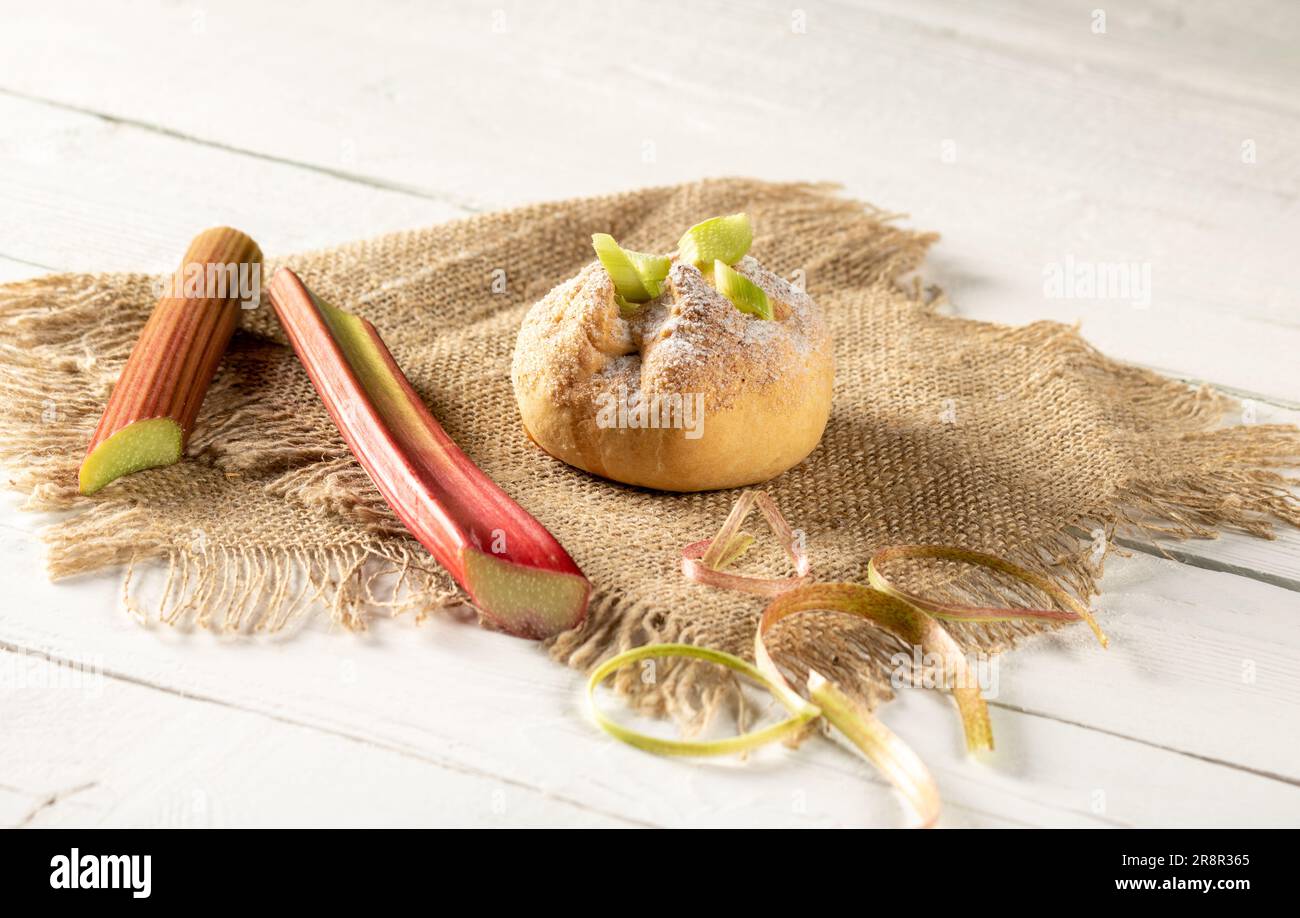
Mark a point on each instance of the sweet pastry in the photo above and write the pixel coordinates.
(681, 373)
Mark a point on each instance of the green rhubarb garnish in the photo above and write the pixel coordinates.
(637, 277)
(725, 239)
(743, 292)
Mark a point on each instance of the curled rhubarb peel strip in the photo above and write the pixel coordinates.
(903, 614)
(695, 570)
(704, 561)
(882, 747)
(1077, 610)
(730, 527)
(877, 742)
(911, 625)
(801, 712)
(784, 533)
(741, 542)
(514, 570)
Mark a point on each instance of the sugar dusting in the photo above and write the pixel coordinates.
(691, 339)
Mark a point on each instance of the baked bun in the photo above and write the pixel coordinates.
(682, 393)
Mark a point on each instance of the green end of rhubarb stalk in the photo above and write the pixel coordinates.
(725, 239)
(637, 277)
(880, 745)
(526, 601)
(157, 397)
(142, 445)
(743, 292)
(801, 712)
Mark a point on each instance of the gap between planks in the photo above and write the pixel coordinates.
(46, 799)
(460, 204)
(1173, 551)
(126, 678)
(7, 646)
(369, 181)
(1257, 772)
(1180, 556)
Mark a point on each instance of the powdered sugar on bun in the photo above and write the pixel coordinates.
(764, 384)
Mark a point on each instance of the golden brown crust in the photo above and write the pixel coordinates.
(621, 397)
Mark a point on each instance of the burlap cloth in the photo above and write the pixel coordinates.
(1024, 442)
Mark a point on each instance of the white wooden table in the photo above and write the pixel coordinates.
(1018, 131)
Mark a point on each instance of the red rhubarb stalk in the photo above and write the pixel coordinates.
(153, 406)
(515, 572)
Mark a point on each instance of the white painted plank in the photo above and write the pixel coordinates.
(471, 700)
(101, 751)
(1199, 661)
(73, 176)
(13, 270)
(1048, 773)
(14, 806)
(1068, 144)
(74, 193)
(1275, 561)
(82, 194)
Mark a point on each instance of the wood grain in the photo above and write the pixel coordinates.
(1122, 147)
(1014, 129)
(1149, 723)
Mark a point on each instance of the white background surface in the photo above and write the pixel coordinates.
(1011, 127)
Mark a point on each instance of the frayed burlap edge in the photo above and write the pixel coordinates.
(1237, 489)
(262, 589)
(224, 589)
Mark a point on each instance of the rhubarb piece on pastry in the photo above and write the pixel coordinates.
(722, 379)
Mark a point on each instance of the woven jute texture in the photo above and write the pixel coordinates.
(1024, 442)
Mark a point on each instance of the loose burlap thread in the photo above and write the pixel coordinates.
(1025, 442)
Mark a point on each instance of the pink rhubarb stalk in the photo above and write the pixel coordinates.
(514, 570)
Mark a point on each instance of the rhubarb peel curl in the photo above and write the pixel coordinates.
(908, 616)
